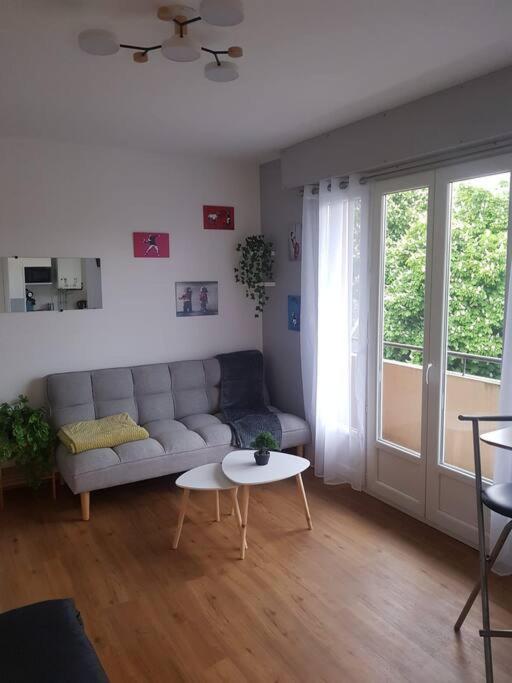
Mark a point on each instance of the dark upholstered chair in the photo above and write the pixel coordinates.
(496, 497)
(46, 643)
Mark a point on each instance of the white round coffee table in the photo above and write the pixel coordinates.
(205, 478)
(241, 468)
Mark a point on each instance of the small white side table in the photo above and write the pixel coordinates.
(241, 468)
(205, 478)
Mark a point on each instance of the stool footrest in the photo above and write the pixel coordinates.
(496, 633)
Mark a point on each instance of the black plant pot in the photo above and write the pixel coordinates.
(262, 457)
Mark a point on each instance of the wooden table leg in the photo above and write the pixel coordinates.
(245, 513)
(236, 508)
(183, 509)
(85, 503)
(54, 486)
(300, 486)
(217, 506)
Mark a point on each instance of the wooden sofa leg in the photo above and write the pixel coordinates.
(85, 500)
(300, 451)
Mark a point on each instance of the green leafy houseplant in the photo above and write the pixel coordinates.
(27, 438)
(255, 268)
(264, 443)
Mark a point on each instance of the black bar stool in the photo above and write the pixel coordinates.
(497, 497)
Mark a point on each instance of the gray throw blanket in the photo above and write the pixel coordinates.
(241, 398)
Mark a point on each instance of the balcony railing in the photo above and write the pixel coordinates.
(465, 392)
(464, 357)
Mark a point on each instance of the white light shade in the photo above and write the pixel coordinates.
(227, 71)
(222, 12)
(180, 49)
(96, 41)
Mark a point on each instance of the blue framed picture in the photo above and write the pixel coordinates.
(294, 313)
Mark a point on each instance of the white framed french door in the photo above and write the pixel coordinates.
(440, 255)
(396, 466)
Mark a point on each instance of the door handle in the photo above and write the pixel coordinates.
(427, 373)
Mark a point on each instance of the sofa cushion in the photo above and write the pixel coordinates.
(174, 436)
(210, 428)
(70, 396)
(216, 434)
(113, 392)
(88, 461)
(180, 441)
(195, 422)
(156, 426)
(152, 387)
(138, 450)
(189, 388)
(295, 429)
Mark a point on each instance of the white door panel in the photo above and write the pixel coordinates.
(419, 454)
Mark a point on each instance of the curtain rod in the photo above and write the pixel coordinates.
(343, 184)
(435, 161)
(467, 153)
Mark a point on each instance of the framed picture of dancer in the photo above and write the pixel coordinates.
(151, 244)
(197, 299)
(294, 313)
(295, 242)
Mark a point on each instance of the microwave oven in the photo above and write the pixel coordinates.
(38, 275)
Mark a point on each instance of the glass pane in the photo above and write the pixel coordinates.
(405, 221)
(478, 224)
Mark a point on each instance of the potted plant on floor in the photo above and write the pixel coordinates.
(264, 443)
(27, 439)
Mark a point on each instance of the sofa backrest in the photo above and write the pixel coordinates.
(146, 392)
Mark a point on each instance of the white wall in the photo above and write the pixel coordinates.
(70, 200)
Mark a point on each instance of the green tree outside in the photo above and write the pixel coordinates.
(479, 220)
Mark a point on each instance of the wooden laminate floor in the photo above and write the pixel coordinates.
(369, 595)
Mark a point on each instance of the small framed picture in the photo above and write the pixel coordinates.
(218, 217)
(197, 299)
(294, 313)
(151, 244)
(295, 242)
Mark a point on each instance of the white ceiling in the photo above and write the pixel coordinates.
(309, 66)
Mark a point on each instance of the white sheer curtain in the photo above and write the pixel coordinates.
(503, 459)
(334, 297)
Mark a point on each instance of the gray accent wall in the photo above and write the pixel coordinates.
(475, 112)
(280, 209)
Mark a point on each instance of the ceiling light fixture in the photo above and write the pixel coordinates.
(179, 47)
(95, 41)
(222, 12)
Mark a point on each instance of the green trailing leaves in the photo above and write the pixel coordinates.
(254, 269)
(27, 438)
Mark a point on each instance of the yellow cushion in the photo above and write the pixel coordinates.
(104, 433)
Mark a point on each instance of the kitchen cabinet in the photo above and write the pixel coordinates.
(16, 278)
(36, 262)
(69, 273)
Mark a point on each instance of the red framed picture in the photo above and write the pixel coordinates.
(151, 244)
(218, 217)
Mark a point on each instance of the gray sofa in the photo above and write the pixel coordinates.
(177, 403)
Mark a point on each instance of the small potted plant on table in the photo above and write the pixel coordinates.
(264, 443)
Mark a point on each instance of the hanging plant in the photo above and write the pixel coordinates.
(255, 269)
